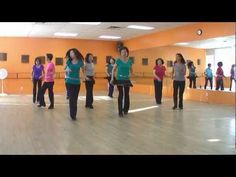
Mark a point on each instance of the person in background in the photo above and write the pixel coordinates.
(208, 76)
(73, 66)
(232, 75)
(192, 74)
(108, 71)
(124, 70)
(158, 73)
(37, 75)
(178, 76)
(48, 83)
(89, 82)
(219, 76)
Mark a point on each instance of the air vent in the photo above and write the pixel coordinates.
(114, 27)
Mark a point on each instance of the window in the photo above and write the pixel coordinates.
(3, 56)
(226, 55)
(42, 58)
(132, 59)
(95, 59)
(59, 61)
(145, 61)
(24, 58)
(169, 63)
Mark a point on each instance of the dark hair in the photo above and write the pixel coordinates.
(233, 65)
(87, 57)
(37, 58)
(124, 48)
(209, 64)
(49, 56)
(162, 61)
(182, 58)
(190, 64)
(219, 64)
(78, 55)
(112, 59)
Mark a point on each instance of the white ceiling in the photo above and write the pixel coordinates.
(27, 29)
(219, 42)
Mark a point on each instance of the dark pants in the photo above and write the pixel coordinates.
(123, 97)
(89, 91)
(158, 91)
(67, 93)
(219, 84)
(111, 88)
(192, 79)
(231, 80)
(49, 86)
(178, 86)
(35, 83)
(73, 99)
(206, 82)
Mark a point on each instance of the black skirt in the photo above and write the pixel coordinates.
(126, 83)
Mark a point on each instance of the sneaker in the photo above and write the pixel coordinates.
(51, 107)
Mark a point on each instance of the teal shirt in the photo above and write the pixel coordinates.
(109, 69)
(123, 69)
(208, 72)
(74, 76)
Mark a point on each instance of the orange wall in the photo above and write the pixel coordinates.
(185, 33)
(167, 53)
(15, 47)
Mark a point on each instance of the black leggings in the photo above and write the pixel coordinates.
(178, 86)
(73, 99)
(35, 83)
(123, 97)
(158, 91)
(231, 80)
(89, 92)
(192, 81)
(49, 86)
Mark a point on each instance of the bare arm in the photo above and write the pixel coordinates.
(113, 71)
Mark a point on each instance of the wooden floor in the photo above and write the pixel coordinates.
(27, 129)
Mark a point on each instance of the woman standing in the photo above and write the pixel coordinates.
(109, 68)
(219, 76)
(158, 73)
(48, 83)
(89, 82)
(178, 75)
(208, 76)
(73, 66)
(124, 67)
(192, 74)
(37, 75)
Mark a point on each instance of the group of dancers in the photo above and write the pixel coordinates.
(118, 72)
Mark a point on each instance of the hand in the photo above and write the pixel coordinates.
(87, 79)
(111, 81)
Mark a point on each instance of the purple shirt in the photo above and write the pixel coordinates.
(37, 71)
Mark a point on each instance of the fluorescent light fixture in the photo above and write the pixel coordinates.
(109, 37)
(140, 27)
(142, 109)
(65, 34)
(213, 140)
(182, 43)
(86, 23)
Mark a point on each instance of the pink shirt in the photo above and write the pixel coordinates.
(50, 71)
(160, 71)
